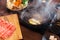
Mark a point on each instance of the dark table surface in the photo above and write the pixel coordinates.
(27, 33)
(30, 35)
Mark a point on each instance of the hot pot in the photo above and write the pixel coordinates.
(41, 15)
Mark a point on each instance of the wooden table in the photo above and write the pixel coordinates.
(30, 35)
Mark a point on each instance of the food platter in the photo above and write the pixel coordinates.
(13, 18)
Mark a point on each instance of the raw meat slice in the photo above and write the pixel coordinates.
(6, 29)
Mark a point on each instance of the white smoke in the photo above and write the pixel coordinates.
(50, 9)
(42, 10)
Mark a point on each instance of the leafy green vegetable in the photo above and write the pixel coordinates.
(25, 2)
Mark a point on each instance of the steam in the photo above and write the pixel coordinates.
(41, 10)
(50, 9)
(35, 3)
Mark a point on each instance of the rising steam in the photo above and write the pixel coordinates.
(41, 10)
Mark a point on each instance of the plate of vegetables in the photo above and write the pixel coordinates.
(16, 5)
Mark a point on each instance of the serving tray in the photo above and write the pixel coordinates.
(13, 18)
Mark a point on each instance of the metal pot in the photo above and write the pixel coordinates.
(40, 15)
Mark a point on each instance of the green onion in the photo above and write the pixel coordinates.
(25, 2)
